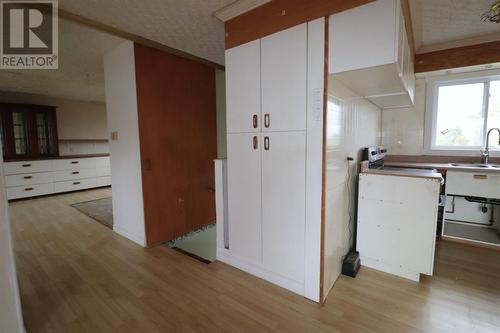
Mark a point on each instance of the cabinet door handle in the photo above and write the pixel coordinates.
(29, 189)
(266, 143)
(255, 142)
(74, 162)
(480, 177)
(28, 177)
(26, 165)
(76, 183)
(75, 172)
(267, 120)
(255, 121)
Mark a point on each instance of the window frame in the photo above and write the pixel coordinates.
(431, 111)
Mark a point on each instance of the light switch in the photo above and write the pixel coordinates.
(114, 136)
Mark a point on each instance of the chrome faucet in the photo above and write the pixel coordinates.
(485, 154)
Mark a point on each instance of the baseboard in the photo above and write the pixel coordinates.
(262, 273)
(134, 238)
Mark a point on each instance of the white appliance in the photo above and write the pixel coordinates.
(397, 217)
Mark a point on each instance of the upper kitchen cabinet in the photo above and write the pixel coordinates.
(243, 88)
(284, 78)
(370, 53)
(28, 131)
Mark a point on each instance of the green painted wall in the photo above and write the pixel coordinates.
(220, 83)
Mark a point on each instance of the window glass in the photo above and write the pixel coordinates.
(460, 120)
(494, 112)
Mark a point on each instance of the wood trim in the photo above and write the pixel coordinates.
(133, 37)
(405, 7)
(279, 15)
(323, 172)
(472, 55)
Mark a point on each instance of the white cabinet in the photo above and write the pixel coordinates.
(42, 177)
(397, 220)
(370, 53)
(266, 164)
(243, 88)
(284, 78)
(474, 184)
(283, 202)
(244, 196)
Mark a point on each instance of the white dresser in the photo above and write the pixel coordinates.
(41, 177)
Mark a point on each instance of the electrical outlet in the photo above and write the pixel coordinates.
(114, 136)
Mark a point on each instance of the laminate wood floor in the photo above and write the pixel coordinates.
(76, 275)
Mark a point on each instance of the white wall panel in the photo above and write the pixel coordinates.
(121, 101)
(352, 124)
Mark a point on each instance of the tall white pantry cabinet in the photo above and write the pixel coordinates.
(274, 96)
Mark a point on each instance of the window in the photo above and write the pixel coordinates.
(462, 113)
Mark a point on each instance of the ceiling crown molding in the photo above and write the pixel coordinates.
(237, 8)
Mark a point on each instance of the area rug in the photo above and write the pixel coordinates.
(199, 244)
(100, 210)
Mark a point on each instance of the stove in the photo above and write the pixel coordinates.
(375, 155)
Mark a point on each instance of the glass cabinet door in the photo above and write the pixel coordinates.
(44, 133)
(20, 128)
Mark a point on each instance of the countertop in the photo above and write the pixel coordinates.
(58, 157)
(441, 166)
(413, 174)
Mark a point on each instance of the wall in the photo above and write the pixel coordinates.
(10, 308)
(352, 124)
(121, 101)
(220, 82)
(403, 128)
(76, 120)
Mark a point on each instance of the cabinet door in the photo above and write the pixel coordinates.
(243, 88)
(284, 77)
(244, 196)
(283, 203)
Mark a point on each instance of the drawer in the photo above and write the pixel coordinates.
(74, 185)
(475, 184)
(101, 172)
(102, 162)
(29, 179)
(29, 191)
(14, 168)
(73, 164)
(103, 181)
(67, 175)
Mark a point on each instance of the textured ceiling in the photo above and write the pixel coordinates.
(81, 73)
(444, 21)
(186, 25)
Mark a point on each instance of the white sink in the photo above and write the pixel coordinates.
(476, 165)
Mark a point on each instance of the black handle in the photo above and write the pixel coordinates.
(26, 165)
(28, 177)
(75, 172)
(76, 183)
(255, 143)
(266, 143)
(29, 189)
(74, 162)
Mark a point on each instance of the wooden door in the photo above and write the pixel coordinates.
(283, 203)
(244, 196)
(284, 80)
(243, 88)
(177, 131)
